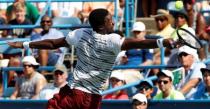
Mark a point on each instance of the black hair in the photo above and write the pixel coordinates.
(97, 18)
(46, 16)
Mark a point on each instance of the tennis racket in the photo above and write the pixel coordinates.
(188, 38)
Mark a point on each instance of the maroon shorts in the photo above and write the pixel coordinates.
(74, 99)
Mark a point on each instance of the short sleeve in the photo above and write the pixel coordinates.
(73, 37)
(115, 41)
(196, 71)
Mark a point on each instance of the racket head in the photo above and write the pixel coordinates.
(186, 37)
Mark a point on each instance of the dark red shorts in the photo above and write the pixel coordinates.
(74, 99)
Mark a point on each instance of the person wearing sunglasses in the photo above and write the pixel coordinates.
(31, 82)
(60, 75)
(117, 79)
(165, 84)
(139, 101)
(163, 21)
(188, 57)
(48, 57)
(145, 87)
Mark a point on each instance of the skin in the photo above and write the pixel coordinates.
(165, 88)
(20, 15)
(116, 83)
(148, 92)
(60, 80)
(200, 22)
(161, 24)
(180, 21)
(206, 79)
(139, 105)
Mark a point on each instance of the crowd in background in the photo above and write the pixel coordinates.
(194, 80)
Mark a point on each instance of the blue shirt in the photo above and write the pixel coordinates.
(201, 93)
(137, 56)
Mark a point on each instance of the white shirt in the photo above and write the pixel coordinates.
(96, 55)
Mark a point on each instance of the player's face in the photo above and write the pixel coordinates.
(109, 23)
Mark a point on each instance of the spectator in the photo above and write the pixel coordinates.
(48, 57)
(136, 57)
(197, 22)
(32, 12)
(19, 10)
(97, 49)
(165, 83)
(163, 23)
(146, 87)
(117, 79)
(139, 101)
(60, 75)
(204, 91)
(30, 84)
(188, 58)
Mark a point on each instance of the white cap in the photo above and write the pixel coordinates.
(118, 75)
(188, 50)
(140, 97)
(30, 59)
(139, 26)
(167, 73)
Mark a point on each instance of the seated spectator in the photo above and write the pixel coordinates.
(31, 82)
(31, 11)
(136, 57)
(165, 83)
(196, 21)
(204, 91)
(60, 75)
(19, 10)
(117, 79)
(48, 57)
(145, 87)
(139, 101)
(163, 23)
(188, 57)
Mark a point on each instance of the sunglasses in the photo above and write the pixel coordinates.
(164, 81)
(160, 19)
(58, 73)
(47, 21)
(27, 65)
(183, 54)
(144, 88)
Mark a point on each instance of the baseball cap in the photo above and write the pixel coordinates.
(139, 26)
(140, 97)
(205, 69)
(148, 81)
(61, 68)
(167, 73)
(118, 75)
(30, 59)
(188, 50)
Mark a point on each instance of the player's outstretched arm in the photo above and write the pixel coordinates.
(44, 44)
(132, 43)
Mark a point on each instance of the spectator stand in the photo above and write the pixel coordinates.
(70, 23)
